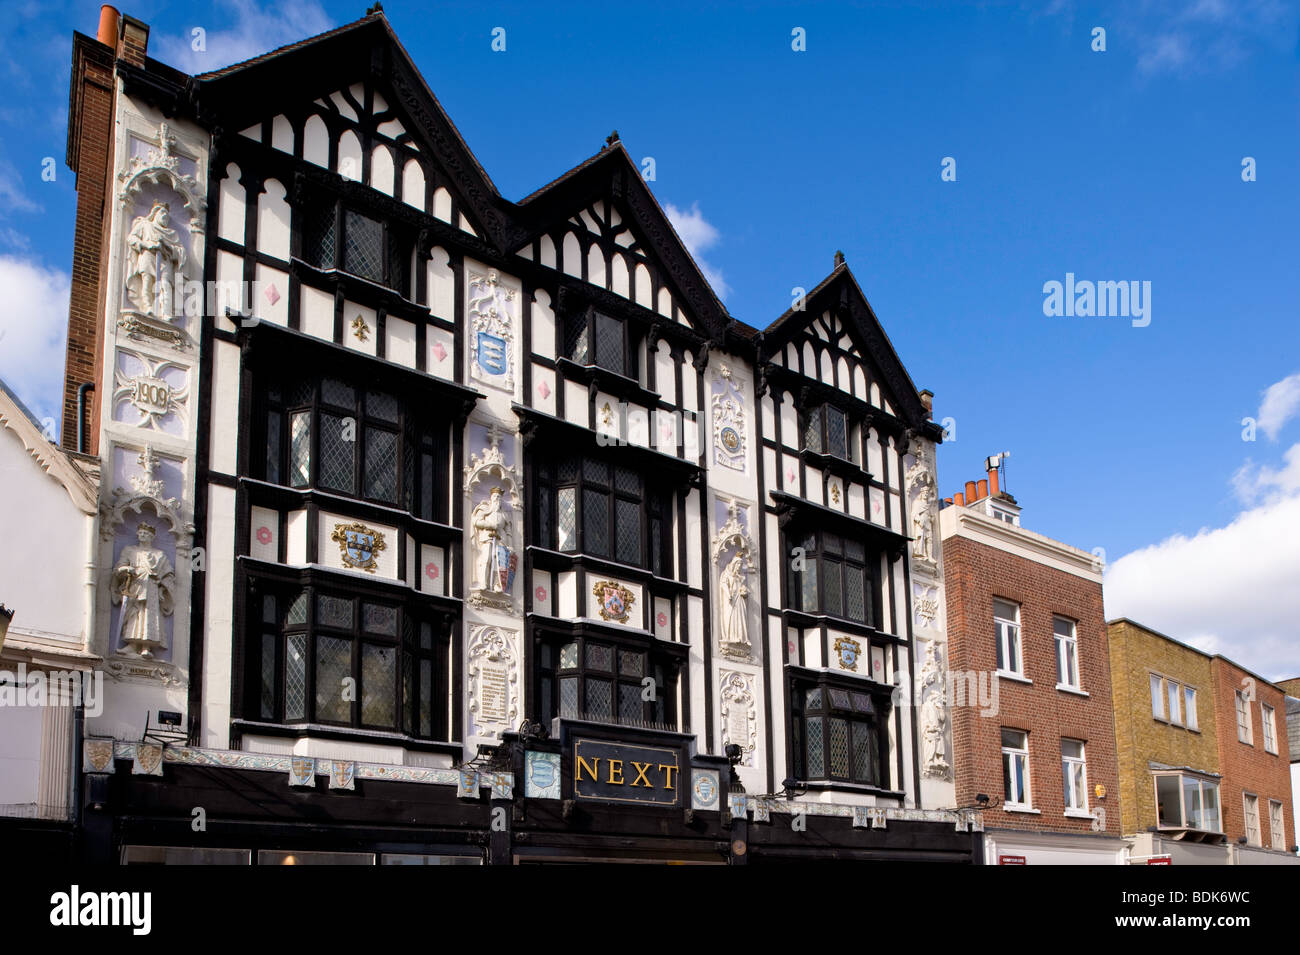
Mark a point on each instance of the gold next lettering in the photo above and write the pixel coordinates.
(641, 769)
(615, 769)
(592, 768)
(668, 774)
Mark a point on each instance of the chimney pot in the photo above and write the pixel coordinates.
(959, 499)
(109, 20)
(993, 482)
(984, 489)
(970, 492)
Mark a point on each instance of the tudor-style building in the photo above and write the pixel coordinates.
(421, 504)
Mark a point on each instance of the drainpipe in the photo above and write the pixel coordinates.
(81, 415)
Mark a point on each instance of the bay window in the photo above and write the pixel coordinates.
(600, 679)
(594, 338)
(335, 236)
(838, 734)
(826, 431)
(833, 576)
(1187, 802)
(347, 438)
(323, 655)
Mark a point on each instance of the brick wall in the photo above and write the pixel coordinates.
(974, 574)
(1246, 767)
(89, 148)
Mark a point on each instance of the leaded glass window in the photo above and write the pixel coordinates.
(836, 735)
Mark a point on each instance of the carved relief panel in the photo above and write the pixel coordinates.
(492, 662)
(733, 554)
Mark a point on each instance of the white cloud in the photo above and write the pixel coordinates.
(33, 336)
(1280, 404)
(1170, 53)
(1229, 590)
(256, 30)
(698, 234)
(13, 198)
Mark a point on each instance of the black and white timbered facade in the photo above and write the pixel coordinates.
(469, 503)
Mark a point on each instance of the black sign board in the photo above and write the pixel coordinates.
(620, 772)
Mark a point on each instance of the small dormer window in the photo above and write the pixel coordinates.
(827, 432)
(594, 338)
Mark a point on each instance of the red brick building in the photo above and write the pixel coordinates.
(1027, 630)
(1254, 757)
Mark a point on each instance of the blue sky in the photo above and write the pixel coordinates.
(1117, 165)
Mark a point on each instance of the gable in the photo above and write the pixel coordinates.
(837, 341)
(599, 223)
(351, 102)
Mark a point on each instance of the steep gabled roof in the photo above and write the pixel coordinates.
(15, 417)
(613, 173)
(360, 51)
(840, 293)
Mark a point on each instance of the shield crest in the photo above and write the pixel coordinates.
(614, 600)
(358, 545)
(302, 771)
(99, 755)
(507, 563)
(849, 652)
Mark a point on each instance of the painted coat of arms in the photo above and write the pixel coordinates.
(613, 600)
(849, 652)
(358, 545)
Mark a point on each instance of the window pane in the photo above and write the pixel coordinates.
(839, 747)
(816, 751)
(1192, 802)
(863, 756)
(855, 604)
(381, 465)
(595, 522)
(300, 449)
(600, 701)
(629, 703)
(567, 523)
(631, 664)
(382, 406)
(428, 491)
(297, 612)
(569, 696)
(335, 392)
(337, 440)
(318, 239)
(1173, 702)
(576, 343)
(1157, 697)
(1062, 627)
(595, 472)
(627, 481)
(1167, 801)
(627, 529)
(813, 699)
(600, 657)
(832, 598)
(377, 618)
(1189, 707)
(333, 665)
(1013, 739)
(569, 656)
(1006, 611)
(378, 682)
(426, 697)
(274, 424)
(839, 699)
(334, 611)
(837, 441)
(1210, 807)
(812, 435)
(363, 246)
(808, 585)
(609, 344)
(268, 676)
(854, 550)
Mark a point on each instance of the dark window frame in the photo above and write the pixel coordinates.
(817, 702)
(550, 675)
(421, 468)
(590, 328)
(419, 694)
(826, 555)
(396, 243)
(570, 471)
(817, 432)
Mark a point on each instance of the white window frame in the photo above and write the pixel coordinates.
(1189, 708)
(1270, 728)
(1073, 767)
(1006, 632)
(1158, 698)
(1067, 650)
(1245, 732)
(1276, 825)
(1174, 696)
(1203, 784)
(1020, 754)
(1249, 800)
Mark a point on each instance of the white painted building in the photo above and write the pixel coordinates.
(440, 488)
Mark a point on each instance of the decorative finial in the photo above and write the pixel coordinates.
(612, 138)
(374, 8)
(839, 258)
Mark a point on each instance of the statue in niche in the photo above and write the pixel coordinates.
(144, 582)
(934, 714)
(734, 610)
(494, 559)
(923, 525)
(154, 262)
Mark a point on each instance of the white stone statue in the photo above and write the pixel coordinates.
(923, 526)
(144, 582)
(734, 594)
(934, 714)
(154, 261)
(492, 545)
